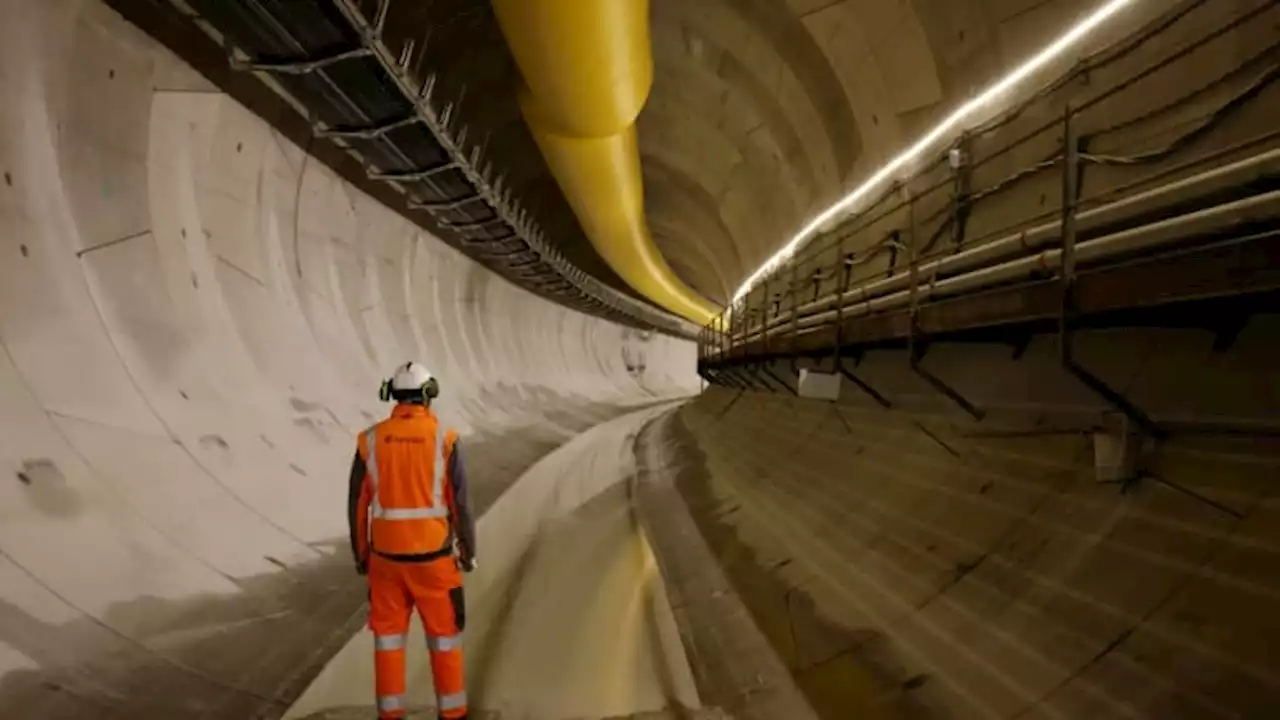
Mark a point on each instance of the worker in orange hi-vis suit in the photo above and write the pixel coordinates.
(412, 533)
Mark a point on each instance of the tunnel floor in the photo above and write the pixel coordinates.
(578, 625)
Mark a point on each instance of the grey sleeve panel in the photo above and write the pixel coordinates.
(463, 522)
(354, 486)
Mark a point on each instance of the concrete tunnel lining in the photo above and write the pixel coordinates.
(170, 542)
(225, 308)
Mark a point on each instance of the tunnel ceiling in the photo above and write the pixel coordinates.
(762, 112)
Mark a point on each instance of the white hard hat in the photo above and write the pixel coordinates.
(409, 377)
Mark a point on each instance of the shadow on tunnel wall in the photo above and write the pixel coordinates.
(218, 657)
(214, 657)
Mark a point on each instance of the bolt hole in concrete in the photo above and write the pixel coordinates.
(915, 682)
(26, 251)
(215, 441)
(8, 179)
(50, 493)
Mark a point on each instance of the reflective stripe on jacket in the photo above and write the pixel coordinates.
(408, 491)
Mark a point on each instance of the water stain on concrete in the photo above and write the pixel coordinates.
(840, 670)
(241, 656)
(313, 427)
(303, 406)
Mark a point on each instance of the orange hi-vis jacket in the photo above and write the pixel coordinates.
(408, 493)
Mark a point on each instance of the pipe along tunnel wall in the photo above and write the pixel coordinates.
(194, 322)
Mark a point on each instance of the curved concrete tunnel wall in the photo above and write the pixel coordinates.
(194, 322)
(915, 562)
(194, 318)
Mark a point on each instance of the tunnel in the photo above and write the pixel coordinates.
(982, 424)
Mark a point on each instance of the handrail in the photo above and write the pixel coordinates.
(825, 282)
(1238, 173)
(1104, 58)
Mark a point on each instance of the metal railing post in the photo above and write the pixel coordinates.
(961, 168)
(764, 312)
(914, 352)
(795, 310)
(844, 267)
(722, 339)
(1070, 198)
(734, 320)
(1067, 278)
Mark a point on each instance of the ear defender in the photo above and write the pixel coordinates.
(431, 390)
(384, 392)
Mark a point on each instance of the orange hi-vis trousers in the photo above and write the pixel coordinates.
(435, 589)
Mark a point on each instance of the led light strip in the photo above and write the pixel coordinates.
(1047, 55)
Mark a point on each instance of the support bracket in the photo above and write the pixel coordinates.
(1071, 182)
(916, 352)
(862, 385)
(1100, 388)
(414, 175)
(731, 378)
(366, 133)
(300, 67)
(468, 226)
(435, 207)
(916, 345)
(787, 386)
(759, 379)
(743, 376)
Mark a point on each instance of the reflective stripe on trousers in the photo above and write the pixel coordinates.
(389, 671)
(455, 701)
(391, 703)
(447, 670)
(444, 644)
(437, 509)
(446, 661)
(388, 642)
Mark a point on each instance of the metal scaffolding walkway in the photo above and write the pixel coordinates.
(1183, 229)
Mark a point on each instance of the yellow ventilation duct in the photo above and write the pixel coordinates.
(588, 67)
